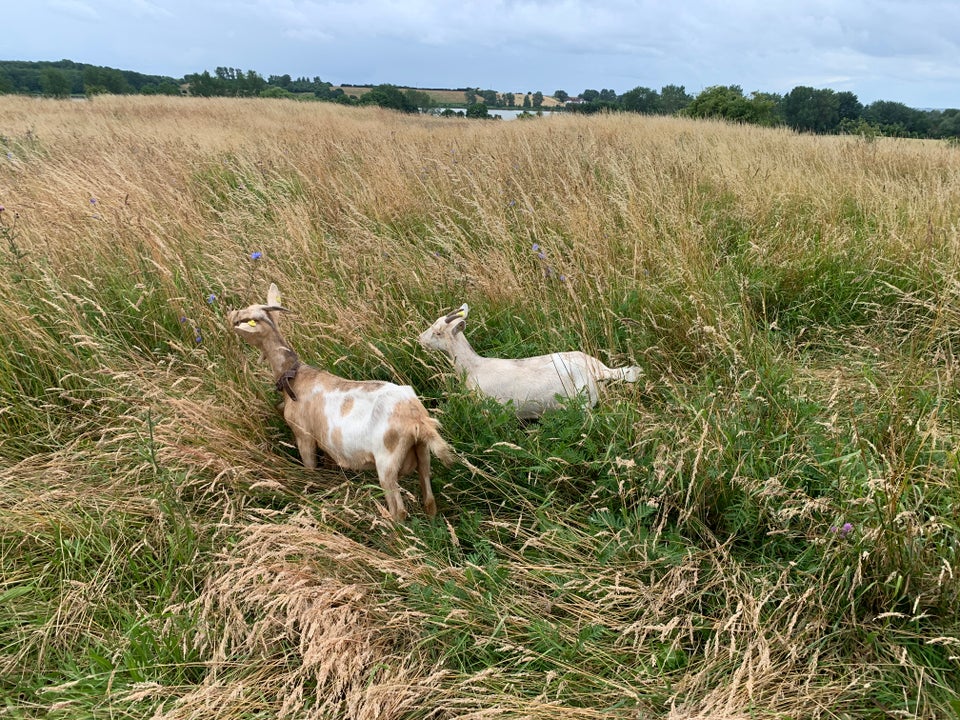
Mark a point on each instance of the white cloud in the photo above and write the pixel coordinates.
(881, 49)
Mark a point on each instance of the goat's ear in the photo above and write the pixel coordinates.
(273, 295)
(458, 328)
(458, 314)
(246, 326)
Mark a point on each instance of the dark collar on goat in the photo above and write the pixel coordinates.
(283, 382)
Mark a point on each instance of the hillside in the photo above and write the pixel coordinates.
(766, 526)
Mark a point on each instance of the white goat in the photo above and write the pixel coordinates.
(360, 425)
(532, 384)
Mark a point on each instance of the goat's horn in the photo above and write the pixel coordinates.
(272, 308)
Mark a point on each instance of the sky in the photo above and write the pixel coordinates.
(900, 50)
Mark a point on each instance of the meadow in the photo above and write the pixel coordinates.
(766, 526)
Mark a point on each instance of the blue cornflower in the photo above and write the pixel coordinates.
(211, 299)
(198, 338)
(93, 201)
(256, 255)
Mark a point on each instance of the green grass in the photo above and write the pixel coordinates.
(766, 525)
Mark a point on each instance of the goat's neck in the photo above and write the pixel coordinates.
(462, 354)
(279, 355)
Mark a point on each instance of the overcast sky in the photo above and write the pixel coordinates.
(906, 51)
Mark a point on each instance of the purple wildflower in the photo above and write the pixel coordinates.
(211, 299)
(256, 255)
(843, 530)
(93, 201)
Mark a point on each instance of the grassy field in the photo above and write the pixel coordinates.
(766, 526)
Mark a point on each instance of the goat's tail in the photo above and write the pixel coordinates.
(627, 374)
(428, 434)
(439, 447)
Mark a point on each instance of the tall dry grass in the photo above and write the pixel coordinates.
(767, 526)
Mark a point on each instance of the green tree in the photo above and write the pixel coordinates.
(849, 107)
(641, 100)
(538, 99)
(478, 110)
(419, 100)
(526, 101)
(895, 118)
(509, 99)
(673, 99)
(561, 95)
(104, 80)
(390, 97)
(54, 83)
(728, 102)
(810, 110)
(204, 84)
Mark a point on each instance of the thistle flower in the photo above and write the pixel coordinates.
(843, 530)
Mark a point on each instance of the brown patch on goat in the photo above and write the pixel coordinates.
(346, 407)
(391, 439)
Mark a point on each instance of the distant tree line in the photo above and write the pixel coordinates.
(64, 78)
(804, 109)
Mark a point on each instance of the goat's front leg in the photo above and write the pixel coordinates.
(391, 488)
(308, 449)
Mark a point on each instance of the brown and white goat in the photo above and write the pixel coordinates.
(360, 425)
(532, 384)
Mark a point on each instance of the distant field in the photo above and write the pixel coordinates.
(449, 97)
(766, 526)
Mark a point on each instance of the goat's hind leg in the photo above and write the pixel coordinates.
(423, 471)
(389, 481)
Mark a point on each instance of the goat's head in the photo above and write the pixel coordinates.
(439, 336)
(257, 322)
